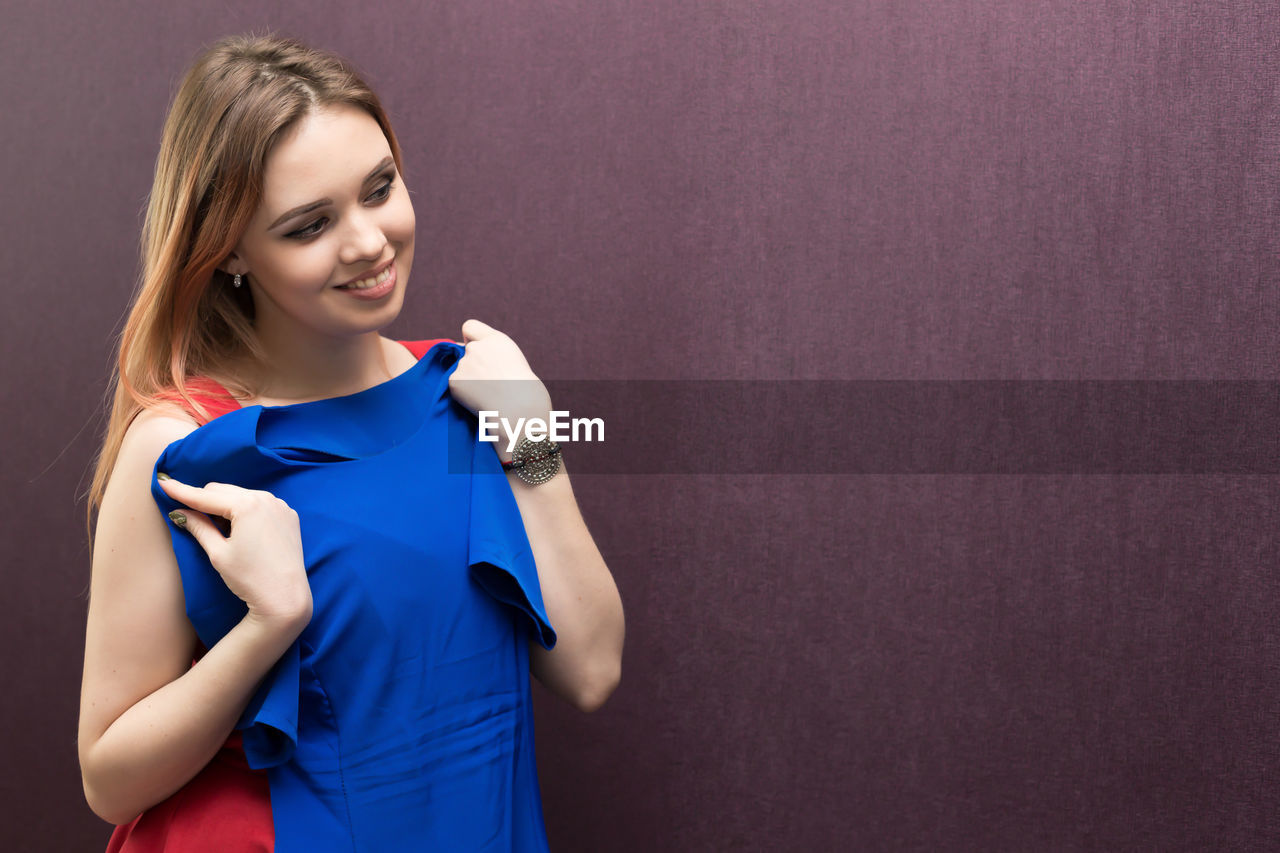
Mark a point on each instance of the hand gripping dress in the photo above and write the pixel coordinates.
(401, 717)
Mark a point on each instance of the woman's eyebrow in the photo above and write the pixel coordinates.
(289, 214)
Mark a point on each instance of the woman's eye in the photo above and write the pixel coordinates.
(379, 194)
(307, 232)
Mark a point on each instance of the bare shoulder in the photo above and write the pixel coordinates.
(148, 434)
(165, 421)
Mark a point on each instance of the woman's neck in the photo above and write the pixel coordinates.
(300, 371)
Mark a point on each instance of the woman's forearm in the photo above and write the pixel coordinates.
(165, 739)
(579, 592)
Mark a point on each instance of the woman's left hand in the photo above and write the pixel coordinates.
(492, 355)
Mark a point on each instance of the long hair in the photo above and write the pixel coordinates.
(240, 96)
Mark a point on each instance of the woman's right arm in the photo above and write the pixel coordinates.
(149, 720)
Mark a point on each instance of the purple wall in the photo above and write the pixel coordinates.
(1043, 189)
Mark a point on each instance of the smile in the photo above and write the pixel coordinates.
(374, 288)
(366, 283)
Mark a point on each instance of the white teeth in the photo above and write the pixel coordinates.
(366, 283)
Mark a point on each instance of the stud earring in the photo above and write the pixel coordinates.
(236, 282)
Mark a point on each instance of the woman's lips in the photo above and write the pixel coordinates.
(378, 290)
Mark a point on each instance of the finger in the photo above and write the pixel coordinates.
(203, 499)
(473, 330)
(201, 527)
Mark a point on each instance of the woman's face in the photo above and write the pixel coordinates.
(334, 210)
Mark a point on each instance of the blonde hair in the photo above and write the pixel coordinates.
(241, 95)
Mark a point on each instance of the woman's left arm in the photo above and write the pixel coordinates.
(581, 598)
(579, 593)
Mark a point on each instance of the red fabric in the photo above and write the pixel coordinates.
(419, 348)
(226, 807)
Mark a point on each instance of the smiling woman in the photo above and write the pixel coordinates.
(314, 604)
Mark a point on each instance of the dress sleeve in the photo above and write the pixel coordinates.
(500, 558)
(270, 720)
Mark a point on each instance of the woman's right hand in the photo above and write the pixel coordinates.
(260, 559)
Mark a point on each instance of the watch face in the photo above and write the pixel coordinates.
(539, 460)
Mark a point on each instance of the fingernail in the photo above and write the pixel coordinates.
(178, 519)
(163, 476)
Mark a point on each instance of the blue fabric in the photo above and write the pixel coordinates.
(401, 718)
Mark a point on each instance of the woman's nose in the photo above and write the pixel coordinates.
(365, 238)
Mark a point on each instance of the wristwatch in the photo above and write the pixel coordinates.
(534, 461)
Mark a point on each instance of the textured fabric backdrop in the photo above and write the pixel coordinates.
(942, 190)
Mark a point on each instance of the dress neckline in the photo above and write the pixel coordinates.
(338, 430)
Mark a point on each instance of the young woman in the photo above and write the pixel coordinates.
(313, 591)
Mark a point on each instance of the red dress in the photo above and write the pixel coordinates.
(226, 807)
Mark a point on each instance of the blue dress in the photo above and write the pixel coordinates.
(401, 718)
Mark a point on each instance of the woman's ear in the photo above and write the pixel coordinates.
(233, 265)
